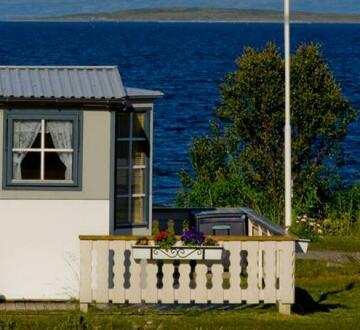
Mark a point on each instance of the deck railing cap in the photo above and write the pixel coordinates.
(215, 238)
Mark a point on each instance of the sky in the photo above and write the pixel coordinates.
(19, 8)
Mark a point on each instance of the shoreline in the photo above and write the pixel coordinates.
(172, 21)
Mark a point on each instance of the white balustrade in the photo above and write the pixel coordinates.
(252, 270)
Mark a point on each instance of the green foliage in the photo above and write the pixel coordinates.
(241, 162)
(337, 226)
(171, 227)
(185, 225)
(166, 239)
(155, 227)
(345, 205)
(306, 227)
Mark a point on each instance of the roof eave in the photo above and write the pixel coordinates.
(147, 97)
(61, 102)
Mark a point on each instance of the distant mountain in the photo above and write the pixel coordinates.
(26, 8)
(203, 14)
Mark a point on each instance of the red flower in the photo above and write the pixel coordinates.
(162, 235)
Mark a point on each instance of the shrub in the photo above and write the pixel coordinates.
(241, 162)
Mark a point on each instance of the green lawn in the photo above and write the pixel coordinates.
(337, 243)
(327, 298)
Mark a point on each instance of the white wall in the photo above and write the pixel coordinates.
(39, 245)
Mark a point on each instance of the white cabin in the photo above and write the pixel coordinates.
(76, 158)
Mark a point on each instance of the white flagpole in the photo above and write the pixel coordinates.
(288, 181)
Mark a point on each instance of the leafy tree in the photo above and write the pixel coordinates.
(241, 162)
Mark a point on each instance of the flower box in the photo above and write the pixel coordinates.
(177, 252)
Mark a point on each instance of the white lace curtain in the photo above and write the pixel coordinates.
(25, 133)
(61, 135)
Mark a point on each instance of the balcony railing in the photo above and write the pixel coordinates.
(252, 270)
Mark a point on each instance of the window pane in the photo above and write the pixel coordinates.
(139, 125)
(122, 152)
(123, 125)
(137, 181)
(122, 182)
(26, 134)
(26, 166)
(137, 210)
(51, 132)
(37, 142)
(140, 150)
(122, 211)
(48, 141)
(56, 166)
(59, 134)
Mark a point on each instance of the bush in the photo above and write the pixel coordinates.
(306, 227)
(345, 205)
(242, 162)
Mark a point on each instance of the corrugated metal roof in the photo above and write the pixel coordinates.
(139, 93)
(66, 82)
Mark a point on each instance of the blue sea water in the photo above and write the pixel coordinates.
(187, 61)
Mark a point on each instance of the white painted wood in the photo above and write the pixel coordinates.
(150, 293)
(216, 294)
(301, 246)
(287, 272)
(101, 292)
(84, 307)
(177, 253)
(250, 228)
(133, 293)
(166, 294)
(284, 308)
(85, 271)
(270, 272)
(252, 291)
(200, 292)
(266, 260)
(141, 253)
(42, 157)
(44, 240)
(117, 294)
(235, 295)
(261, 274)
(183, 293)
(213, 253)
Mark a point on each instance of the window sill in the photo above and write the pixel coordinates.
(43, 182)
(43, 185)
(127, 226)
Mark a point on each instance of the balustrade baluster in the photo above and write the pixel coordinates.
(252, 291)
(270, 272)
(183, 293)
(133, 292)
(117, 293)
(234, 295)
(101, 291)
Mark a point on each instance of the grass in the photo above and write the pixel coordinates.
(326, 298)
(349, 243)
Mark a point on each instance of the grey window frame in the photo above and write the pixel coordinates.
(33, 114)
(147, 170)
